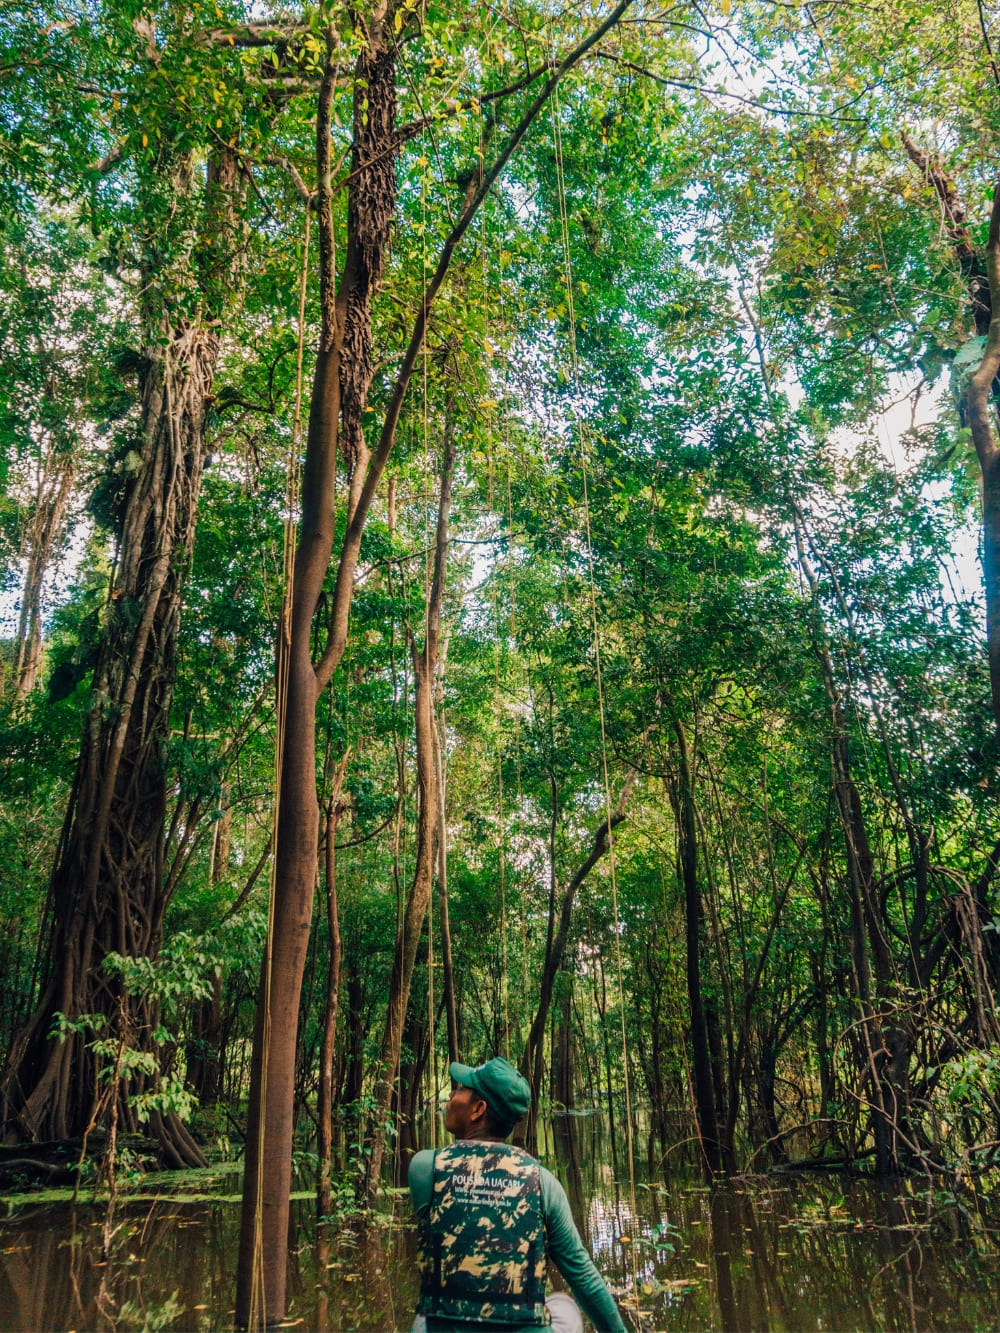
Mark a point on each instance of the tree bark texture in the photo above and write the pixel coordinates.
(345, 333)
(107, 889)
(983, 286)
(982, 424)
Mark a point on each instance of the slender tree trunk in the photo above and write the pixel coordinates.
(406, 1091)
(447, 967)
(601, 1004)
(531, 1058)
(55, 486)
(204, 1054)
(340, 384)
(868, 941)
(562, 1044)
(354, 1068)
(324, 1105)
(425, 663)
(704, 1090)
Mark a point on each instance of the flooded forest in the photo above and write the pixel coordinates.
(499, 556)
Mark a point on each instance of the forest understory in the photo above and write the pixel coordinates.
(499, 554)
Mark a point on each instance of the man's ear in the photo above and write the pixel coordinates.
(478, 1108)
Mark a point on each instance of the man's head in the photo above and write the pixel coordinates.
(488, 1100)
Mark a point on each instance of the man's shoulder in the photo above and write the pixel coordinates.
(420, 1177)
(553, 1195)
(549, 1181)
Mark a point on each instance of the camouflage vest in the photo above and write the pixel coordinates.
(483, 1237)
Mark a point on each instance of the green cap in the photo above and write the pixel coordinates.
(498, 1083)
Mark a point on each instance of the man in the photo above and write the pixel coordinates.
(489, 1214)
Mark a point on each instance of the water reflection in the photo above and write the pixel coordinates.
(774, 1255)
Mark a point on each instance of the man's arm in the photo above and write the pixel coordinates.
(567, 1252)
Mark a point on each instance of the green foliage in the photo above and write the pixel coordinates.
(676, 508)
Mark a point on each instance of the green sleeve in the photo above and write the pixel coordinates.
(421, 1180)
(567, 1252)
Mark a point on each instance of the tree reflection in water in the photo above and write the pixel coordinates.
(769, 1254)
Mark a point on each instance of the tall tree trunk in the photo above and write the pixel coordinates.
(406, 1091)
(444, 924)
(425, 663)
(868, 938)
(324, 1104)
(108, 891)
(983, 279)
(204, 1053)
(701, 1057)
(340, 386)
(350, 1094)
(601, 1005)
(55, 485)
(562, 1044)
(108, 886)
(531, 1057)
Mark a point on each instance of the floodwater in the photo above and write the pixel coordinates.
(768, 1253)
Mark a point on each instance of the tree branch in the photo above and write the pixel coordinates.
(414, 127)
(475, 195)
(980, 384)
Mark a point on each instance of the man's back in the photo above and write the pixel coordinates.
(483, 1236)
(482, 1188)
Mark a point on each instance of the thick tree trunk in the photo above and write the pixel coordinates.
(108, 890)
(983, 279)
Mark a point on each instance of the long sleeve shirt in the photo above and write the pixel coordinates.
(562, 1245)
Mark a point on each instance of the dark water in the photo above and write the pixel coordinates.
(774, 1253)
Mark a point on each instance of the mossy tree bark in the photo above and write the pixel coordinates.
(111, 883)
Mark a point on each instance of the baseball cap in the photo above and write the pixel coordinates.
(498, 1083)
